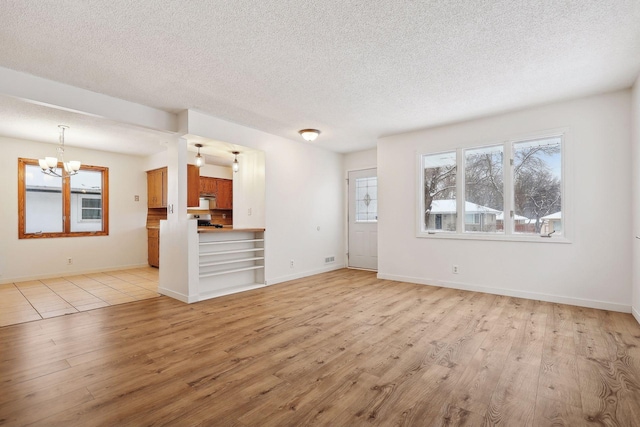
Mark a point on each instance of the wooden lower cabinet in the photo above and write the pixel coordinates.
(154, 247)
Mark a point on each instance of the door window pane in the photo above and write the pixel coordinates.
(439, 179)
(43, 201)
(367, 199)
(484, 189)
(537, 171)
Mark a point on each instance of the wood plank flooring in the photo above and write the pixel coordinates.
(337, 349)
(41, 299)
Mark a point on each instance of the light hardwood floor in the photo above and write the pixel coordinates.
(337, 349)
(40, 299)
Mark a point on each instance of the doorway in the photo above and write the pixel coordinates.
(363, 219)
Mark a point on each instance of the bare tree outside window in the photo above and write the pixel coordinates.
(484, 188)
(537, 171)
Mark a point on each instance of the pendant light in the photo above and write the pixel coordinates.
(49, 165)
(199, 157)
(236, 165)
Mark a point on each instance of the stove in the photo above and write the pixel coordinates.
(207, 223)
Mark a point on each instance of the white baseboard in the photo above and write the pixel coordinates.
(177, 295)
(635, 314)
(332, 267)
(229, 291)
(603, 305)
(70, 273)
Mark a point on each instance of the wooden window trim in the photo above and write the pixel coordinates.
(66, 202)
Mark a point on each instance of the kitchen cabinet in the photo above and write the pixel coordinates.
(157, 188)
(193, 186)
(221, 189)
(224, 196)
(208, 186)
(153, 235)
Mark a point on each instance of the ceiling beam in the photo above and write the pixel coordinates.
(53, 94)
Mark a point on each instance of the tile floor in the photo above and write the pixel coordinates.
(40, 299)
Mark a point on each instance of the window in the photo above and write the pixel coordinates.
(537, 172)
(90, 208)
(439, 192)
(483, 188)
(512, 190)
(367, 199)
(51, 206)
(472, 219)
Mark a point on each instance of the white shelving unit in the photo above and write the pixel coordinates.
(230, 262)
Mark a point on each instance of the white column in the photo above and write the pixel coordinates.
(174, 232)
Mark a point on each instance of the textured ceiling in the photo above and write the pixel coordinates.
(357, 70)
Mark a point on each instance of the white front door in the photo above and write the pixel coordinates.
(363, 219)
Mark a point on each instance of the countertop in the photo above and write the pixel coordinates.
(227, 229)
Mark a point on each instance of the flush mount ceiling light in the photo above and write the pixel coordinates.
(309, 134)
(199, 158)
(49, 165)
(236, 165)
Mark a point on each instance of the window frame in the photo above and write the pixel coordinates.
(422, 228)
(66, 203)
(509, 233)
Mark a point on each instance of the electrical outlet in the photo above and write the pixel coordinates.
(69, 261)
(136, 198)
(455, 269)
(291, 264)
(249, 212)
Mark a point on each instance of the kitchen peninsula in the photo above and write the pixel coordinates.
(218, 246)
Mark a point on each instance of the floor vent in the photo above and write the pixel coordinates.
(329, 259)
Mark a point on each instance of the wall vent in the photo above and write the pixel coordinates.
(329, 259)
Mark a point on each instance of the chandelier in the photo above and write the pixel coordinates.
(49, 165)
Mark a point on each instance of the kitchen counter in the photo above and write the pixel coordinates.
(228, 229)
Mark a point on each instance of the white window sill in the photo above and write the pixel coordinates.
(494, 237)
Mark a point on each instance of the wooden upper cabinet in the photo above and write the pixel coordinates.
(157, 188)
(221, 189)
(208, 186)
(193, 186)
(224, 198)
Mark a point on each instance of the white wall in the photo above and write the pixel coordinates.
(160, 160)
(635, 198)
(359, 160)
(249, 191)
(594, 270)
(124, 247)
(304, 192)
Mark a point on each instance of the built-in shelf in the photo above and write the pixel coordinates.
(227, 242)
(233, 261)
(237, 270)
(229, 262)
(238, 251)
